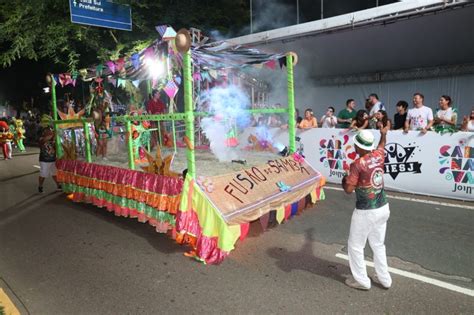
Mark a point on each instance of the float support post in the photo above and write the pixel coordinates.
(59, 149)
(131, 158)
(291, 104)
(87, 137)
(188, 111)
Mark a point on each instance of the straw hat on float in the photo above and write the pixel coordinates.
(294, 57)
(364, 139)
(182, 40)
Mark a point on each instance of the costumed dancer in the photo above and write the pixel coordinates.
(6, 138)
(47, 156)
(19, 134)
(103, 131)
(102, 135)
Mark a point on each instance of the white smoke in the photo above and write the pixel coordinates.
(227, 105)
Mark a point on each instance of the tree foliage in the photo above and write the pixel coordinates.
(42, 30)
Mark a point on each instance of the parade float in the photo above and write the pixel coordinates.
(192, 174)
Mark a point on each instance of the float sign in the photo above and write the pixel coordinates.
(246, 195)
(102, 13)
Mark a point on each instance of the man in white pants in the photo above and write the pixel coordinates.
(369, 219)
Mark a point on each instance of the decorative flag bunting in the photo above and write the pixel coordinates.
(169, 34)
(280, 216)
(135, 59)
(161, 29)
(244, 230)
(74, 76)
(170, 89)
(196, 76)
(136, 83)
(149, 53)
(65, 79)
(213, 73)
(205, 76)
(121, 82)
(99, 69)
(113, 81)
(119, 64)
(83, 73)
(111, 66)
(294, 208)
(264, 220)
(271, 64)
(282, 62)
(62, 80)
(287, 212)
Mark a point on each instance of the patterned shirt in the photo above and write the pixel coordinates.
(47, 148)
(366, 173)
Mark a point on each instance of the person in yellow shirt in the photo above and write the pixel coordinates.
(309, 121)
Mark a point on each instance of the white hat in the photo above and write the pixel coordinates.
(364, 139)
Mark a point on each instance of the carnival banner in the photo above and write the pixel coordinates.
(245, 196)
(430, 164)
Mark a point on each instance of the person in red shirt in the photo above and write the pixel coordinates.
(369, 219)
(155, 106)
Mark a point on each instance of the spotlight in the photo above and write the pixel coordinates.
(46, 90)
(155, 68)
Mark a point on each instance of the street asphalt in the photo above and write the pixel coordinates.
(58, 257)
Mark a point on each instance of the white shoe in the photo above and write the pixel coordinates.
(375, 279)
(351, 282)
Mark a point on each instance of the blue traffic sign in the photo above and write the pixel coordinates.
(102, 13)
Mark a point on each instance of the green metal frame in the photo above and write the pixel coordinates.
(59, 149)
(188, 116)
(291, 104)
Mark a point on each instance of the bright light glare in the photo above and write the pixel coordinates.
(46, 90)
(155, 68)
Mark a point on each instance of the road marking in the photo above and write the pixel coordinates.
(7, 304)
(36, 166)
(415, 276)
(431, 202)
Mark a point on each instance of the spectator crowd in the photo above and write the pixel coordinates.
(418, 118)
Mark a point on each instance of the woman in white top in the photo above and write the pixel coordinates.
(468, 122)
(446, 117)
(329, 120)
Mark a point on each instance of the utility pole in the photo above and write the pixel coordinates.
(322, 9)
(297, 11)
(251, 17)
